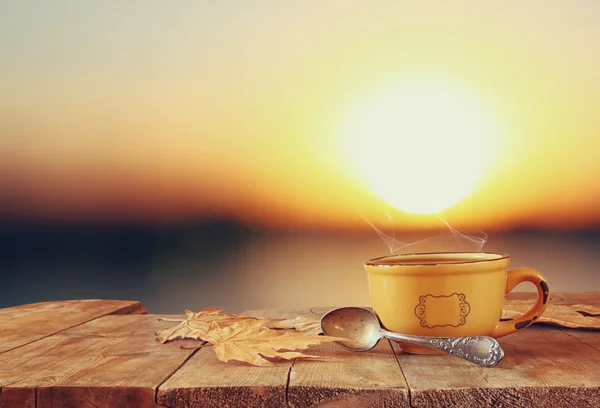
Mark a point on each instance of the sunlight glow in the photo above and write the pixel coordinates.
(420, 146)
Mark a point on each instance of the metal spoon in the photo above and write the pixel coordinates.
(364, 331)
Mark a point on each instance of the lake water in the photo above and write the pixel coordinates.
(170, 270)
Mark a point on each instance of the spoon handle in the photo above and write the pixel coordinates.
(482, 350)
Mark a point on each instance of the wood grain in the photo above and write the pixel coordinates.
(111, 361)
(207, 382)
(348, 379)
(590, 337)
(587, 336)
(204, 381)
(343, 378)
(44, 319)
(543, 367)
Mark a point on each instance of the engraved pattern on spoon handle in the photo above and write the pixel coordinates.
(482, 350)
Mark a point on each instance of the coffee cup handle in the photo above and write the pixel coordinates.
(514, 277)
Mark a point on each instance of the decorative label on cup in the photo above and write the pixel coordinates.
(442, 310)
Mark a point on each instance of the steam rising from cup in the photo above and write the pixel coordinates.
(448, 240)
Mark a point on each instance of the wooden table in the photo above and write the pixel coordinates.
(103, 353)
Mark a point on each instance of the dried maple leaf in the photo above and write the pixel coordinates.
(302, 324)
(195, 325)
(572, 316)
(248, 341)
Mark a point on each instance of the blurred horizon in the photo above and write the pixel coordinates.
(358, 227)
(170, 269)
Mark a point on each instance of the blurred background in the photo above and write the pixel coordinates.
(232, 154)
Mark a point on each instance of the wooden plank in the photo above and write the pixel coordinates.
(590, 337)
(207, 382)
(204, 381)
(348, 379)
(17, 398)
(570, 298)
(543, 367)
(116, 361)
(22, 325)
(344, 378)
(111, 361)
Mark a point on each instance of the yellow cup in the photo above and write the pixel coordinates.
(449, 294)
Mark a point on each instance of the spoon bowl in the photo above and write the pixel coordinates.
(359, 325)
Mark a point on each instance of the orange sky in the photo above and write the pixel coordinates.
(152, 112)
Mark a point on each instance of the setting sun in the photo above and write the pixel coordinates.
(420, 146)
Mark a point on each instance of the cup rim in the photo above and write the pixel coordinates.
(376, 261)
